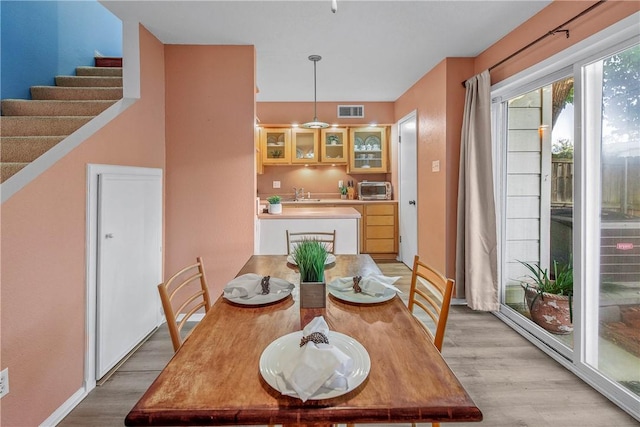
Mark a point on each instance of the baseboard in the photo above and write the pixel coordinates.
(58, 415)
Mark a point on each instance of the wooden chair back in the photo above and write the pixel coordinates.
(430, 292)
(175, 292)
(327, 238)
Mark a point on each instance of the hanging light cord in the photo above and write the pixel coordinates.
(315, 124)
(315, 98)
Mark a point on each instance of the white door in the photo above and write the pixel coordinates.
(129, 266)
(408, 194)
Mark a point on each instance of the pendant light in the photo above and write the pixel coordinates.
(315, 124)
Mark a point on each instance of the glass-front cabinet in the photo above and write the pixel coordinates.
(275, 145)
(368, 149)
(304, 146)
(333, 145)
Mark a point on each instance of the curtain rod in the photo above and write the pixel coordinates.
(556, 30)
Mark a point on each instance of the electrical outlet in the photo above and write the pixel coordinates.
(4, 382)
(276, 184)
(435, 166)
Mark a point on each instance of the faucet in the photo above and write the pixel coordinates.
(298, 193)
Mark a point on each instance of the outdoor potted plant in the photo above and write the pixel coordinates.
(310, 257)
(275, 207)
(550, 300)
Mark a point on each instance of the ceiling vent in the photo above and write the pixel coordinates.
(350, 111)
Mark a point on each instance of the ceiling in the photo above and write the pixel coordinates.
(371, 50)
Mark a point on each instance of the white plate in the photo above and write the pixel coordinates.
(361, 298)
(261, 299)
(372, 140)
(270, 361)
(331, 258)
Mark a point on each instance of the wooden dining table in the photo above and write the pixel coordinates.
(214, 378)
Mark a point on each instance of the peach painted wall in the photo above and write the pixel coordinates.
(210, 205)
(547, 19)
(457, 71)
(287, 113)
(439, 104)
(320, 181)
(44, 254)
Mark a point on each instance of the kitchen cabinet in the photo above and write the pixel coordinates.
(304, 146)
(333, 145)
(378, 226)
(368, 149)
(275, 146)
(380, 230)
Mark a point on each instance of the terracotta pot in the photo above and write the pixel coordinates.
(549, 310)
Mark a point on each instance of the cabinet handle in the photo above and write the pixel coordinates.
(412, 202)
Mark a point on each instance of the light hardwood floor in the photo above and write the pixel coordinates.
(511, 381)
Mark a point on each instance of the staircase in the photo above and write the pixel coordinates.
(31, 127)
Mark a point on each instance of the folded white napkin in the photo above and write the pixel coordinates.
(314, 366)
(375, 284)
(249, 285)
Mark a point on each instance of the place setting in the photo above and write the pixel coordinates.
(315, 363)
(256, 289)
(371, 289)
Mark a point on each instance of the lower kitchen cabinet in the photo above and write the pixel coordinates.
(378, 226)
(380, 230)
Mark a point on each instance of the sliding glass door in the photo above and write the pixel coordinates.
(567, 144)
(538, 209)
(612, 215)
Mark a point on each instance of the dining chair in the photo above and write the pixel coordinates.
(175, 291)
(327, 238)
(430, 292)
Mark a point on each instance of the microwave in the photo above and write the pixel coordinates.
(370, 190)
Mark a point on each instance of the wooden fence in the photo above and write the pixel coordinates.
(620, 184)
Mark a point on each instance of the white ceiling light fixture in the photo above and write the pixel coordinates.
(315, 124)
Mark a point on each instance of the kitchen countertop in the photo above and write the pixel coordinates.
(320, 201)
(314, 213)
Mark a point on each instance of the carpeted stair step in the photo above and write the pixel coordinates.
(25, 107)
(41, 126)
(7, 170)
(88, 81)
(23, 149)
(75, 93)
(99, 71)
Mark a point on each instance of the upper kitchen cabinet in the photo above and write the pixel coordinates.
(368, 150)
(333, 145)
(304, 146)
(275, 146)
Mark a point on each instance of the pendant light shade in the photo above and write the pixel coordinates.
(315, 123)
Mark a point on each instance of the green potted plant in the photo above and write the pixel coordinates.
(550, 300)
(275, 207)
(310, 257)
(343, 192)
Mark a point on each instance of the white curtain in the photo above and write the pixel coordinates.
(476, 249)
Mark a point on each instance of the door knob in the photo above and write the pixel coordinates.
(412, 202)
